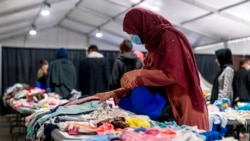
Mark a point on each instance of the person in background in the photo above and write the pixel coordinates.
(223, 82)
(241, 87)
(125, 62)
(94, 72)
(42, 74)
(169, 65)
(139, 54)
(62, 75)
(93, 52)
(241, 83)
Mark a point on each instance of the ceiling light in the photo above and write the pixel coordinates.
(135, 1)
(45, 9)
(98, 34)
(33, 30)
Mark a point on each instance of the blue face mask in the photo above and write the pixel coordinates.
(136, 39)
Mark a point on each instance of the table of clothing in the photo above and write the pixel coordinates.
(48, 117)
(230, 120)
(23, 100)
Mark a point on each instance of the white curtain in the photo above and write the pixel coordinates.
(205, 85)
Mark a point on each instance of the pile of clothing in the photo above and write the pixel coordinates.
(87, 117)
(25, 96)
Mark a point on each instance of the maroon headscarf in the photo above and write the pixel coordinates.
(168, 50)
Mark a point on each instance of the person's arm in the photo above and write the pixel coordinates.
(114, 80)
(39, 74)
(227, 84)
(148, 78)
(154, 78)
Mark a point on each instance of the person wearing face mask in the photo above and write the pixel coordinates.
(41, 75)
(242, 82)
(169, 67)
(223, 82)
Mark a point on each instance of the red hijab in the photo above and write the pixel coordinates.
(173, 55)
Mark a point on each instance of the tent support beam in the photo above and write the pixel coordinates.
(217, 11)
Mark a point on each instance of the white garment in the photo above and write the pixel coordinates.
(188, 135)
(205, 85)
(217, 118)
(95, 54)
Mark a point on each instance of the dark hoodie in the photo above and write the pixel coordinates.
(241, 85)
(124, 63)
(62, 74)
(62, 53)
(224, 57)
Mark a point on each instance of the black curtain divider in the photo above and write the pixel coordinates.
(20, 65)
(207, 66)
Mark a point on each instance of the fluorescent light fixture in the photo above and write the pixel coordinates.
(33, 30)
(135, 1)
(45, 13)
(98, 34)
(45, 10)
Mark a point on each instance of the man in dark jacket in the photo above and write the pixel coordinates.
(242, 82)
(94, 72)
(125, 62)
(62, 75)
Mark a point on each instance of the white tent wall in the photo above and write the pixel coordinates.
(238, 47)
(103, 45)
(209, 49)
(56, 37)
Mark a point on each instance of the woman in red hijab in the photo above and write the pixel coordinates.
(169, 63)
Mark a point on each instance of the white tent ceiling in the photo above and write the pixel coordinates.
(202, 21)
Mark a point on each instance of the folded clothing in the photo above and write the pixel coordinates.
(77, 128)
(117, 122)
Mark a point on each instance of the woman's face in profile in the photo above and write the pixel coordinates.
(45, 66)
(217, 62)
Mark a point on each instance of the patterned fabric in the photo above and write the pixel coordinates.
(117, 122)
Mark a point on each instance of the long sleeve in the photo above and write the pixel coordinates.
(114, 80)
(227, 84)
(155, 78)
(39, 73)
(147, 78)
(122, 92)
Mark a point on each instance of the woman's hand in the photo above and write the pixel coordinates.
(104, 96)
(236, 99)
(45, 69)
(129, 77)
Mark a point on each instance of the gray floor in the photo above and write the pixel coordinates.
(5, 130)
